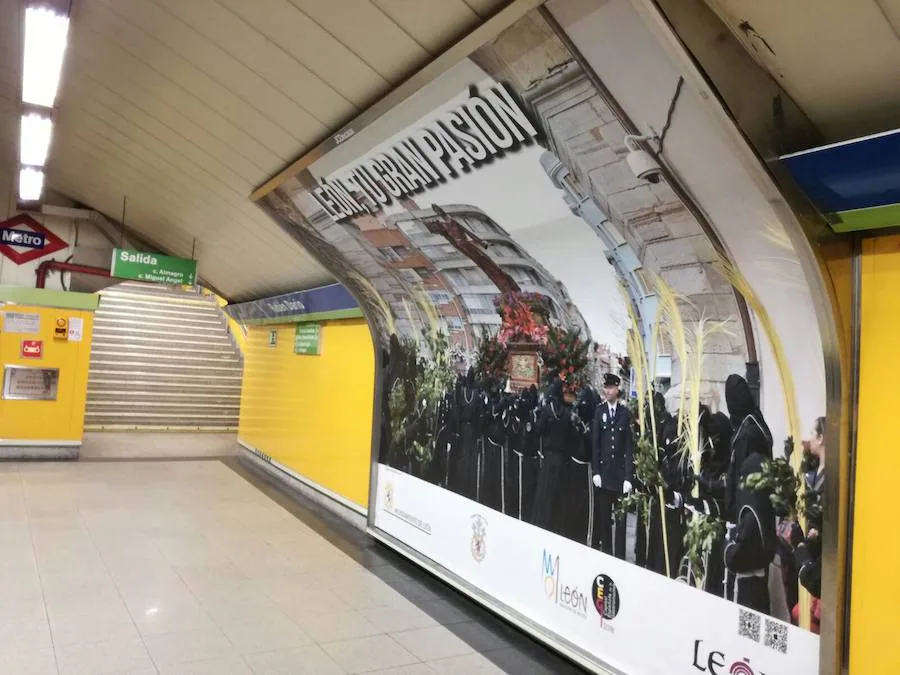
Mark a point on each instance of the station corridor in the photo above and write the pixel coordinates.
(205, 568)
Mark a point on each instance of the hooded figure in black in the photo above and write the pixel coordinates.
(557, 434)
(444, 438)
(493, 470)
(524, 460)
(463, 463)
(580, 505)
(648, 526)
(715, 429)
(752, 542)
(677, 480)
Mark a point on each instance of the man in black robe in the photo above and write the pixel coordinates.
(613, 464)
(752, 540)
(557, 433)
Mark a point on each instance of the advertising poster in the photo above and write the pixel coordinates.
(589, 412)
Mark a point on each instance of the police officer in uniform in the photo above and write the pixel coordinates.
(613, 463)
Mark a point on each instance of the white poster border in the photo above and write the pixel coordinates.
(426, 523)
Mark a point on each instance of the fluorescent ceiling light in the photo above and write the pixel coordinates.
(31, 184)
(45, 44)
(34, 139)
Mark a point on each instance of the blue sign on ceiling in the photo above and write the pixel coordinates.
(332, 301)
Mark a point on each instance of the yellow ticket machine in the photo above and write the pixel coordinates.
(45, 347)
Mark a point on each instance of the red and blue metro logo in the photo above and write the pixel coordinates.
(23, 239)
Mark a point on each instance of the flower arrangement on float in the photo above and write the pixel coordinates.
(526, 333)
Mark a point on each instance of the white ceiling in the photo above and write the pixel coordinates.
(184, 106)
(10, 67)
(838, 59)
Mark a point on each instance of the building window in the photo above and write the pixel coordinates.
(478, 226)
(394, 253)
(504, 251)
(456, 279)
(442, 252)
(453, 324)
(475, 276)
(522, 275)
(411, 276)
(412, 227)
(478, 302)
(440, 297)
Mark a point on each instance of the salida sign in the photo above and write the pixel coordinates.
(161, 269)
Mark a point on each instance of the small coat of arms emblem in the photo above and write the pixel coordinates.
(479, 532)
(389, 496)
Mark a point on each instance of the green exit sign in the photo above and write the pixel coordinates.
(308, 339)
(162, 269)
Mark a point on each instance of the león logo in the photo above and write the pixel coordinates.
(479, 533)
(551, 575)
(714, 662)
(570, 598)
(606, 599)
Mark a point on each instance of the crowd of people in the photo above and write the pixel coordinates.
(565, 463)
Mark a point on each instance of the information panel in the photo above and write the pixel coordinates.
(25, 383)
(308, 339)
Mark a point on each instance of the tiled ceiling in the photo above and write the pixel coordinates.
(184, 106)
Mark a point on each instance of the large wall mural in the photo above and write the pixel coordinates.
(571, 412)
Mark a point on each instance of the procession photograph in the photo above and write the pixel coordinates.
(565, 342)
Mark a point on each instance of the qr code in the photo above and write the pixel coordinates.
(777, 635)
(749, 625)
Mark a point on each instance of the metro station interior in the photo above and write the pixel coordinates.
(448, 336)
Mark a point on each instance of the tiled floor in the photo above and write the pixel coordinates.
(203, 568)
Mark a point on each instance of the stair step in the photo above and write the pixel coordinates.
(159, 415)
(221, 383)
(210, 319)
(101, 329)
(163, 350)
(109, 356)
(100, 394)
(194, 301)
(206, 327)
(164, 404)
(112, 302)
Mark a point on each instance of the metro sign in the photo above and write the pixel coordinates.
(23, 239)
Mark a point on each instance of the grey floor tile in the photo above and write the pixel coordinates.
(470, 664)
(229, 665)
(428, 644)
(414, 669)
(188, 646)
(335, 627)
(364, 655)
(395, 619)
(487, 635)
(100, 658)
(308, 660)
(265, 636)
(32, 662)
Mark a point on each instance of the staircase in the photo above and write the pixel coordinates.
(162, 359)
